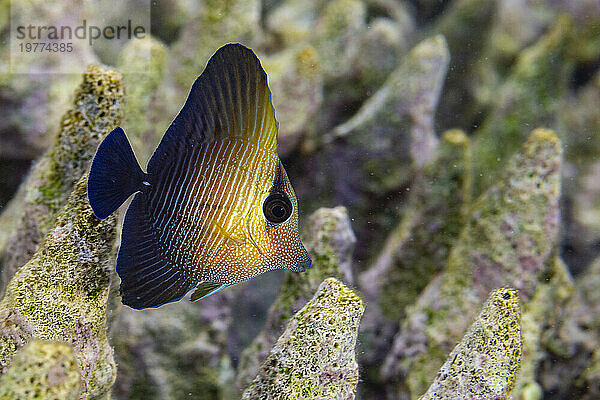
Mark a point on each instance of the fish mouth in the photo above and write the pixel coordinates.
(304, 265)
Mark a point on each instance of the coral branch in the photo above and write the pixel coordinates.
(484, 364)
(42, 370)
(314, 357)
(97, 108)
(61, 294)
(330, 240)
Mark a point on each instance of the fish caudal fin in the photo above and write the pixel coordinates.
(148, 277)
(114, 175)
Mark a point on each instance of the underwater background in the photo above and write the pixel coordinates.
(445, 155)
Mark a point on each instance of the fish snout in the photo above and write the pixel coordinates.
(304, 264)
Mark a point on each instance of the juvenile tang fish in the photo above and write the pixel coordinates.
(215, 207)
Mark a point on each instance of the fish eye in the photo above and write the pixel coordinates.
(277, 208)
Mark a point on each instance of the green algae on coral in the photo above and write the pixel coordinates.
(553, 291)
(330, 240)
(510, 233)
(314, 357)
(96, 110)
(528, 97)
(61, 293)
(296, 85)
(419, 246)
(485, 363)
(41, 370)
(399, 116)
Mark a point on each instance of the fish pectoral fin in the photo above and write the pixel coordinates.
(232, 235)
(205, 289)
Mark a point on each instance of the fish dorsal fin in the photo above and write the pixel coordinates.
(231, 99)
(205, 289)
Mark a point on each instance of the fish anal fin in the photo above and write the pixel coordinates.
(205, 289)
(148, 277)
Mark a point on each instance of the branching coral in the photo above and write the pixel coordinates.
(484, 364)
(314, 357)
(42, 370)
(97, 108)
(61, 293)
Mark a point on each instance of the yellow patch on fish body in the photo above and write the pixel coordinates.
(215, 207)
(235, 241)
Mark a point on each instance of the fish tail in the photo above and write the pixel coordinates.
(114, 175)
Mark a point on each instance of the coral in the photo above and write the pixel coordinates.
(579, 115)
(348, 42)
(380, 49)
(403, 104)
(570, 338)
(41, 370)
(61, 293)
(142, 63)
(294, 21)
(552, 294)
(418, 247)
(510, 233)
(96, 110)
(484, 364)
(218, 22)
(296, 84)
(330, 241)
(528, 97)
(368, 161)
(337, 35)
(334, 28)
(591, 377)
(176, 351)
(314, 357)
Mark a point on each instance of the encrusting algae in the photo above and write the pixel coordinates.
(484, 364)
(42, 370)
(528, 97)
(330, 241)
(61, 294)
(314, 358)
(97, 107)
(511, 231)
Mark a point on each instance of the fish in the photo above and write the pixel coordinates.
(215, 206)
